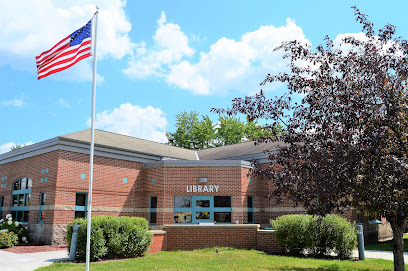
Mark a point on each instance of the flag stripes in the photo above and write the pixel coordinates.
(66, 52)
(66, 58)
(48, 55)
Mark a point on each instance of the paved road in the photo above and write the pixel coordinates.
(29, 261)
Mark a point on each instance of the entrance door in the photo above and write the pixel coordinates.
(202, 209)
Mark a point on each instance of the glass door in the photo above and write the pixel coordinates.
(202, 209)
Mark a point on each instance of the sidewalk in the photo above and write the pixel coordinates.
(378, 254)
(29, 261)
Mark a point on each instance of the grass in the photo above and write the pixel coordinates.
(226, 259)
(386, 245)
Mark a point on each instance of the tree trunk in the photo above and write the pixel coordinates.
(397, 226)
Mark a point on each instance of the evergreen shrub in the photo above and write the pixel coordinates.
(315, 235)
(112, 237)
(291, 232)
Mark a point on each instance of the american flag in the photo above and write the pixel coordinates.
(65, 53)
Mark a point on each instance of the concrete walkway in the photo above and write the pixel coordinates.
(378, 254)
(29, 261)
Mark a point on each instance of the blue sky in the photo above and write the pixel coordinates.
(156, 59)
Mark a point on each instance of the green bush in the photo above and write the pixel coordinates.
(98, 241)
(112, 237)
(331, 233)
(291, 232)
(316, 235)
(8, 239)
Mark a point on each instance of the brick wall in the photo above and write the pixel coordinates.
(111, 195)
(32, 168)
(159, 242)
(266, 242)
(171, 181)
(190, 237)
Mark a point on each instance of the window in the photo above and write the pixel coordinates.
(203, 203)
(222, 217)
(222, 209)
(153, 210)
(222, 201)
(250, 209)
(21, 199)
(1, 206)
(182, 201)
(202, 215)
(202, 208)
(41, 208)
(183, 209)
(182, 217)
(80, 205)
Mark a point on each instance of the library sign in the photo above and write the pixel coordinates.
(202, 188)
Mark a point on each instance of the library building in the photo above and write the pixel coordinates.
(45, 185)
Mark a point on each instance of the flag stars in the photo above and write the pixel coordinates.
(81, 34)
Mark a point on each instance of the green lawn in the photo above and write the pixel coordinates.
(226, 259)
(386, 245)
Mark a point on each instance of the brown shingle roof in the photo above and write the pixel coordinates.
(124, 142)
(113, 140)
(240, 149)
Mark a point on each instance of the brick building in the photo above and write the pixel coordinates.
(45, 184)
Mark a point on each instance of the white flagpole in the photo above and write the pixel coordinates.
(89, 208)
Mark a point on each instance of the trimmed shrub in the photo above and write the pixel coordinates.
(127, 236)
(98, 241)
(316, 235)
(8, 239)
(112, 237)
(291, 232)
(345, 238)
(331, 233)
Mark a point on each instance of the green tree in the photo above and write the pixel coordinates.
(191, 132)
(195, 133)
(230, 130)
(204, 133)
(184, 135)
(255, 131)
(16, 147)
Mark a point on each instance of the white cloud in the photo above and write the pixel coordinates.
(170, 46)
(28, 28)
(80, 72)
(228, 65)
(338, 41)
(7, 146)
(147, 123)
(345, 47)
(237, 65)
(63, 103)
(17, 102)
